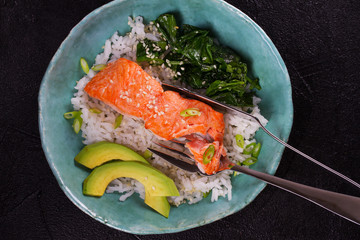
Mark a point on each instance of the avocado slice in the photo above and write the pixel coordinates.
(159, 204)
(94, 155)
(155, 182)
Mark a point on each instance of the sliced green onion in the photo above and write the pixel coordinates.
(208, 154)
(190, 112)
(84, 65)
(249, 161)
(77, 123)
(249, 148)
(71, 115)
(205, 195)
(77, 120)
(256, 150)
(239, 140)
(118, 121)
(95, 110)
(98, 67)
(147, 154)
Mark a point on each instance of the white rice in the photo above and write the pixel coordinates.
(132, 133)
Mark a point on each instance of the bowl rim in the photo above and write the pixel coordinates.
(123, 228)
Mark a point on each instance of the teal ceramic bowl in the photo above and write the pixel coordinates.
(60, 144)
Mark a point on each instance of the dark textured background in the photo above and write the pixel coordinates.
(319, 42)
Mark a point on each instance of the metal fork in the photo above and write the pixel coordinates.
(220, 105)
(343, 205)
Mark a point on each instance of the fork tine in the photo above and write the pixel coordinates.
(177, 162)
(182, 152)
(179, 142)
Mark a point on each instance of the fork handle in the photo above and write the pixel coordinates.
(343, 205)
(305, 155)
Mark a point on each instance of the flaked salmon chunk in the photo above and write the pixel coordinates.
(127, 88)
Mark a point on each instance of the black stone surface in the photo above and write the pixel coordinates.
(319, 42)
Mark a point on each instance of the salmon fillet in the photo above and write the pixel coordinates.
(127, 88)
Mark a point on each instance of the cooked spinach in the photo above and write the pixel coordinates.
(166, 25)
(200, 62)
(149, 51)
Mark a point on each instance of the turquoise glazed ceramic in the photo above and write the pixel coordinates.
(233, 28)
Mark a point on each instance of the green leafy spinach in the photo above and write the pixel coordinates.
(200, 62)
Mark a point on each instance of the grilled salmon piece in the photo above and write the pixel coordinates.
(128, 89)
(167, 122)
